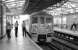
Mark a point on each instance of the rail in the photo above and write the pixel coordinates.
(66, 37)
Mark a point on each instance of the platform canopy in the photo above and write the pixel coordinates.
(15, 6)
(30, 6)
(2, 7)
(69, 7)
(37, 5)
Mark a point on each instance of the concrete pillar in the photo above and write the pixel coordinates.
(1, 19)
(4, 20)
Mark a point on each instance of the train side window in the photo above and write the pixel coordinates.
(34, 20)
(48, 20)
(42, 20)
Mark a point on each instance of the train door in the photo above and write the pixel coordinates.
(49, 23)
(34, 28)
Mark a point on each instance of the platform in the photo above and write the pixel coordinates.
(19, 43)
(74, 33)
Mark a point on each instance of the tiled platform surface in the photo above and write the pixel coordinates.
(17, 44)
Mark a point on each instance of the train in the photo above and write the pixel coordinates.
(41, 28)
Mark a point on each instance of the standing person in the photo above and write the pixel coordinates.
(16, 29)
(74, 26)
(8, 30)
(77, 26)
(24, 28)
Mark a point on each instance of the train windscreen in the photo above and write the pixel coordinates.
(42, 20)
(34, 20)
(48, 20)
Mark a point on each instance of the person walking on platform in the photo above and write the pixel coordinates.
(74, 26)
(8, 30)
(16, 29)
(24, 28)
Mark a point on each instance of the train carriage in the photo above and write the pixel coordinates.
(41, 27)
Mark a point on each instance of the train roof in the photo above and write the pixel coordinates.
(41, 13)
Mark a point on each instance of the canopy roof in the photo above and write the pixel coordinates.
(15, 6)
(67, 8)
(37, 5)
(31, 6)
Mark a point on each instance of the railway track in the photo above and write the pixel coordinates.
(47, 46)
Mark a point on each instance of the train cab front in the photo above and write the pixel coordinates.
(42, 38)
(45, 37)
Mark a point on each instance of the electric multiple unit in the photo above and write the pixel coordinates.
(41, 27)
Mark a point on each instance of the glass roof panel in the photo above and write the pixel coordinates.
(15, 5)
(68, 7)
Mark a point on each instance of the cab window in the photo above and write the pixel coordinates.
(34, 20)
(48, 20)
(42, 20)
